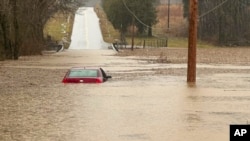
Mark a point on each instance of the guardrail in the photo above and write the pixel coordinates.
(144, 43)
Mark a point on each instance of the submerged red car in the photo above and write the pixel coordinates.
(85, 75)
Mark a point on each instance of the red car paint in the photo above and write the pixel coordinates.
(85, 75)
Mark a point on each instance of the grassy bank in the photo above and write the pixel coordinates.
(108, 32)
(59, 27)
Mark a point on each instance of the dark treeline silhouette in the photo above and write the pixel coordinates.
(22, 24)
(225, 22)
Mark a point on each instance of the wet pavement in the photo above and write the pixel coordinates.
(136, 105)
(86, 33)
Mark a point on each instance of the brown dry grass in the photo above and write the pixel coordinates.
(57, 24)
(177, 24)
(108, 32)
(234, 56)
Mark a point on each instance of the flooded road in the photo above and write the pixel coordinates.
(137, 104)
(86, 32)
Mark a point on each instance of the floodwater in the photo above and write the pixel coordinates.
(36, 106)
(137, 104)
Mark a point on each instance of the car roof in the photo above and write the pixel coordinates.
(85, 68)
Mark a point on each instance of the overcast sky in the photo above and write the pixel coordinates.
(91, 3)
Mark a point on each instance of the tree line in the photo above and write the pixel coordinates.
(22, 24)
(225, 22)
(123, 14)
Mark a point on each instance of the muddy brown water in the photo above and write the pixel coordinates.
(135, 105)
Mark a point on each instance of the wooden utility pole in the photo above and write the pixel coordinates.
(168, 14)
(133, 34)
(168, 21)
(193, 10)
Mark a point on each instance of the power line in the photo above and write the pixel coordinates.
(216, 7)
(140, 21)
(133, 14)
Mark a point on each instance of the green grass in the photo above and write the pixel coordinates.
(161, 42)
(177, 42)
(183, 42)
(60, 26)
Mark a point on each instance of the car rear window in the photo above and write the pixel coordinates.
(83, 73)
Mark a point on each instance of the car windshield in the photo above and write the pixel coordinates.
(83, 73)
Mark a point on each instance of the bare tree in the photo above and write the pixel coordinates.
(22, 24)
